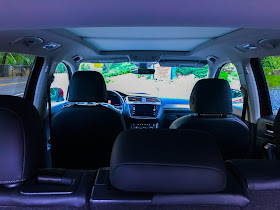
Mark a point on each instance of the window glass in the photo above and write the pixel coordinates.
(59, 86)
(14, 72)
(167, 82)
(271, 67)
(229, 73)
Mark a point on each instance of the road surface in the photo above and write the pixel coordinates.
(12, 86)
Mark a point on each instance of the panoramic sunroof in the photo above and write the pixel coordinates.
(149, 38)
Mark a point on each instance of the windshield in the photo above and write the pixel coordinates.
(167, 82)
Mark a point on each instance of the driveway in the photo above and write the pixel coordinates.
(13, 86)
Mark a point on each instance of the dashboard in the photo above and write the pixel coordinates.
(141, 111)
(145, 112)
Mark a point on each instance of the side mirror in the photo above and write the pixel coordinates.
(56, 94)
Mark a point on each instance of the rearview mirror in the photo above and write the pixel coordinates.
(142, 71)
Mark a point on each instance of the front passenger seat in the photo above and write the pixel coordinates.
(83, 134)
(211, 100)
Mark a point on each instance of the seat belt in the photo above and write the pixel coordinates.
(244, 92)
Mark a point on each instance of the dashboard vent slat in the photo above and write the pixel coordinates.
(153, 100)
(135, 99)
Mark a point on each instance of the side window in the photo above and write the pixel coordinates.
(59, 87)
(271, 67)
(14, 72)
(229, 73)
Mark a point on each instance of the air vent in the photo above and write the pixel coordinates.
(135, 99)
(78, 58)
(153, 100)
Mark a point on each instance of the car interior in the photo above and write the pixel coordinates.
(140, 105)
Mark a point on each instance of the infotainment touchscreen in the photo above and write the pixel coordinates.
(145, 110)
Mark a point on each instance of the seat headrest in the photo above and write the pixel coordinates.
(22, 140)
(167, 161)
(87, 86)
(211, 96)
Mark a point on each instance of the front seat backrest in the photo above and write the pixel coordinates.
(83, 134)
(211, 101)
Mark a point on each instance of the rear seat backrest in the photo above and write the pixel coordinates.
(167, 161)
(22, 140)
(22, 147)
(166, 169)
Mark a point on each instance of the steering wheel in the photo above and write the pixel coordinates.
(118, 108)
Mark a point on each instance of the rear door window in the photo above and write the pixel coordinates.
(271, 67)
(14, 72)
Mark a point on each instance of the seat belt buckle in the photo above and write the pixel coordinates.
(269, 146)
(270, 153)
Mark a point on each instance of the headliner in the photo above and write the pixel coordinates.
(34, 14)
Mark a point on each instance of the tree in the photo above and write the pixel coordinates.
(61, 68)
(271, 63)
(224, 75)
(85, 66)
(2, 69)
(197, 72)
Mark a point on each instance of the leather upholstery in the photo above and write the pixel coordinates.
(104, 196)
(232, 135)
(22, 140)
(211, 100)
(83, 135)
(211, 96)
(167, 161)
(47, 194)
(257, 174)
(91, 89)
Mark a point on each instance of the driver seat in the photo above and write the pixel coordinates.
(82, 134)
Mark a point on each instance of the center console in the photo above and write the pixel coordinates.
(143, 112)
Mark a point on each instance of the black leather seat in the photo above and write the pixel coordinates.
(22, 140)
(83, 134)
(22, 145)
(166, 169)
(211, 101)
(260, 179)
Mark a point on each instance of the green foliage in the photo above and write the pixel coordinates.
(234, 75)
(61, 68)
(17, 59)
(198, 72)
(224, 75)
(270, 64)
(149, 76)
(85, 67)
(116, 69)
(229, 73)
(273, 81)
